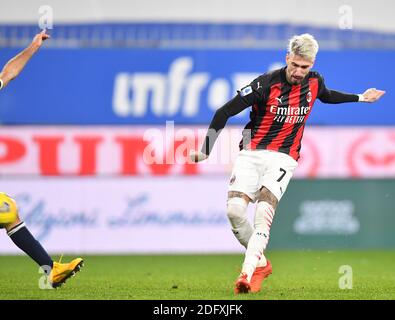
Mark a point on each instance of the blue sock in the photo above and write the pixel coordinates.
(21, 236)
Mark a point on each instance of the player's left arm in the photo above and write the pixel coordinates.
(14, 66)
(332, 96)
(371, 95)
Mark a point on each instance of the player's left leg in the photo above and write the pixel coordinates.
(255, 265)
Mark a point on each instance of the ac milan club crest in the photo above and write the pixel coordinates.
(309, 96)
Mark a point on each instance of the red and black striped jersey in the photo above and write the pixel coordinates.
(279, 111)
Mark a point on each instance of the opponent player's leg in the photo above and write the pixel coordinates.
(236, 211)
(58, 273)
(24, 240)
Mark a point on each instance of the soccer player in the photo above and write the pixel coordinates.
(17, 230)
(281, 102)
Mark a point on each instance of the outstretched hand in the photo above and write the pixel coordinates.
(197, 156)
(39, 38)
(372, 95)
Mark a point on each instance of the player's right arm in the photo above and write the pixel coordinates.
(14, 66)
(245, 98)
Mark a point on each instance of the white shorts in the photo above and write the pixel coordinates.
(255, 169)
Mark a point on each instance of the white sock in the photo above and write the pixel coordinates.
(262, 262)
(263, 220)
(236, 211)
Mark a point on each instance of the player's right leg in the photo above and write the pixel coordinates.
(243, 188)
(58, 272)
(236, 211)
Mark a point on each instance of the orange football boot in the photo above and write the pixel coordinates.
(259, 275)
(242, 285)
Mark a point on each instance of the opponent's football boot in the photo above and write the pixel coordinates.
(62, 271)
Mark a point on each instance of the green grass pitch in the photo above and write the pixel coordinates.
(296, 275)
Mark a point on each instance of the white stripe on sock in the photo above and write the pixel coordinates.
(15, 229)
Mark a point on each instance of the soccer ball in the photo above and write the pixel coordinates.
(8, 209)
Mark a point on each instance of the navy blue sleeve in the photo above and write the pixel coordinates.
(332, 96)
(245, 98)
(221, 116)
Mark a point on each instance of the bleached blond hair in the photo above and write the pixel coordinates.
(303, 45)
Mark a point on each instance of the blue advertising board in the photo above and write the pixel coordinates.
(151, 86)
